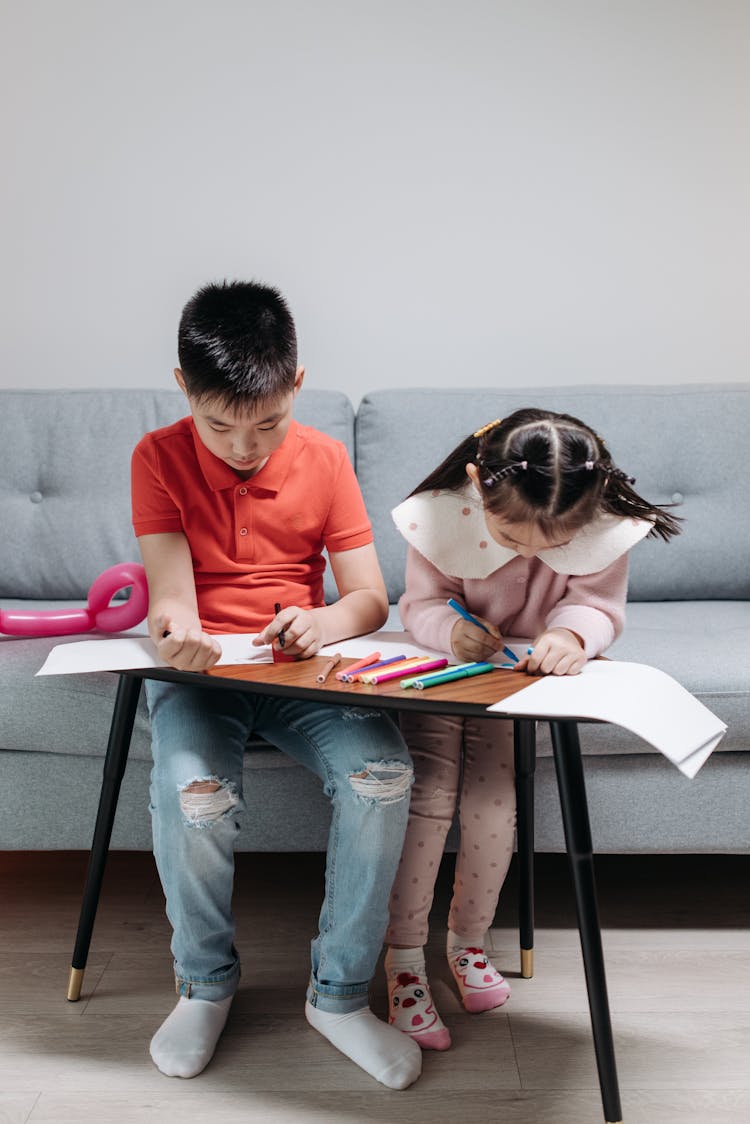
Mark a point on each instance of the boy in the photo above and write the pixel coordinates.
(232, 507)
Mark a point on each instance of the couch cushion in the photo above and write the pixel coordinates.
(72, 713)
(65, 479)
(685, 444)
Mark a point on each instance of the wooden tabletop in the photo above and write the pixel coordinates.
(299, 678)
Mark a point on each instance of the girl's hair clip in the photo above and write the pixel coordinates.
(493, 478)
(609, 470)
(620, 475)
(486, 428)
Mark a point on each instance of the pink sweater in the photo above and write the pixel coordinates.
(523, 598)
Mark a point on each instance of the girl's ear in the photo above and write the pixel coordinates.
(473, 473)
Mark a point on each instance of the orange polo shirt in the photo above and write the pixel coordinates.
(254, 542)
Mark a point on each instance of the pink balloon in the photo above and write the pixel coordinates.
(98, 614)
(48, 622)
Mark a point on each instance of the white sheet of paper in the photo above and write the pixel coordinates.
(642, 699)
(130, 652)
(138, 651)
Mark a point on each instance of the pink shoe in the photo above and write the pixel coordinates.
(411, 1010)
(481, 986)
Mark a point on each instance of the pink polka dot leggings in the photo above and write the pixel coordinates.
(478, 755)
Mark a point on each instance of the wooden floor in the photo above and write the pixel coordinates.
(677, 945)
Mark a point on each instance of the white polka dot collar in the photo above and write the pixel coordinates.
(449, 530)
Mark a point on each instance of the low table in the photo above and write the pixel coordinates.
(467, 697)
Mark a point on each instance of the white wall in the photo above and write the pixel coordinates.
(483, 191)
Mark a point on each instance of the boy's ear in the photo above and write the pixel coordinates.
(473, 473)
(298, 380)
(180, 380)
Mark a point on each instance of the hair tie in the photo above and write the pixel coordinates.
(589, 466)
(617, 473)
(486, 428)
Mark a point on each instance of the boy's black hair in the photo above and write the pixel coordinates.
(237, 343)
(553, 470)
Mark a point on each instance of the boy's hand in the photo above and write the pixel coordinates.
(301, 629)
(187, 649)
(470, 643)
(555, 652)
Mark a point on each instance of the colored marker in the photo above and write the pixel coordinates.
(473, 620)
(412, 679)
(413, 666)
(328, 668)
(349, 678)
(450, 667)
(453, 673)
(366, 662)
(281, 636)
(396, 669)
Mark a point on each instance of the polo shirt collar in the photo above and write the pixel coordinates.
(220, 476)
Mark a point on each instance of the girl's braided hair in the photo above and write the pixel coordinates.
(548, 469)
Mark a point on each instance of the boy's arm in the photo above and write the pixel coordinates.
(362, 607)
(173, 607)
(363, 600)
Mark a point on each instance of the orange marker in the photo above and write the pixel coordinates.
(372, 658)
(328, 668)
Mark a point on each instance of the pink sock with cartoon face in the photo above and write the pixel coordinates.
(410, 1005)
(481, 986)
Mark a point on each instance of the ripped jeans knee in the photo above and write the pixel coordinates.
(383, 782)
(204, 800)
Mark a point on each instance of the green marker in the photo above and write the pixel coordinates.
(461, 672)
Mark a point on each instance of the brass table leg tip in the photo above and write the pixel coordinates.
(527, 963)
(75, 983)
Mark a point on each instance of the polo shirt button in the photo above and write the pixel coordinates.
(36, 497)
(677, 497)
(243, 491)
(521, 581)
(243, 530)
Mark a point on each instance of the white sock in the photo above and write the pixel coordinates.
(411, 1007)
(185, 1042)
(380, 1050)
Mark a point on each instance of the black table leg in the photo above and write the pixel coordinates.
(116, 758)
(575, 815)
(524, 744)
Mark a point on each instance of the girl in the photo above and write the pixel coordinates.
(528, 524)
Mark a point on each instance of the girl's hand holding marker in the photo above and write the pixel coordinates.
(469, 644)
(558, 651)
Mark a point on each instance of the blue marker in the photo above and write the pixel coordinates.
(473, 620)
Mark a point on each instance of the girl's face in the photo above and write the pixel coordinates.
(525, 538)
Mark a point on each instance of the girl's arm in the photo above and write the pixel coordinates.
(423, 609)
(593, 607)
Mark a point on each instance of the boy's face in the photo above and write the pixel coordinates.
(242, 439)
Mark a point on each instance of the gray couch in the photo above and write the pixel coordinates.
(64, 494)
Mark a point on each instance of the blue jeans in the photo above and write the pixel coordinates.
(200, 734)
